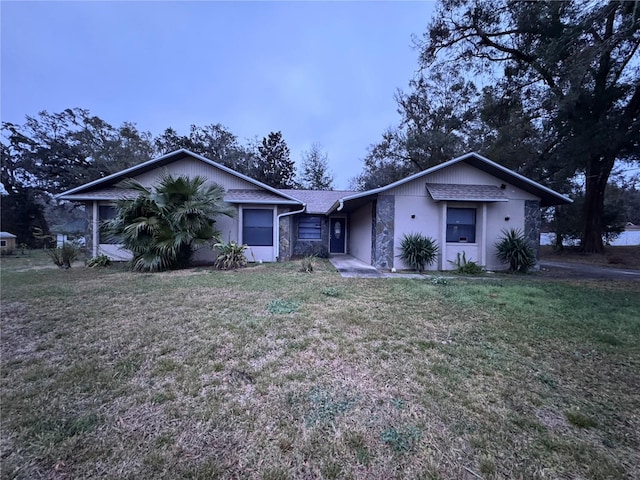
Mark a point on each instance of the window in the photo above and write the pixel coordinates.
(461, 225)
(309, 228)
(3, 243)
(105, 212)
(257, 227)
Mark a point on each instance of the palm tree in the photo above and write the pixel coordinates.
(164, 226)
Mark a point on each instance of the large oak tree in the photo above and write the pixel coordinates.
(575, 64)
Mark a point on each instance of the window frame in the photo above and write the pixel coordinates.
(245, 227)
(315, 229)
(466, 227)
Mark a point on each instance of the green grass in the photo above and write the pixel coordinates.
(269, 372)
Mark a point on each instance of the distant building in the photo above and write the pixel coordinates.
(7, 242)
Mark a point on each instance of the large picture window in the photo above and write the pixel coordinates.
(461, 225)
(309, 228)
(105, 212)
(257, 227)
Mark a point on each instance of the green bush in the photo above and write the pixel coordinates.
(99, 261)
(63, 256)
(513, 249)
(418, 250)
(231, 255)
(464, 266)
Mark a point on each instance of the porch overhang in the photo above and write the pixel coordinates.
(465, 193)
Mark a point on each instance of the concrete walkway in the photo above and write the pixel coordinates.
(350, 267)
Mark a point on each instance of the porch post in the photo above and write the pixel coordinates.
(95, 233)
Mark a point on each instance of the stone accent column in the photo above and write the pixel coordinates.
(532, 225)
(88, 234)
(383, 232)
(284, 252)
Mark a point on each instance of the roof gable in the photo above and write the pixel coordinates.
(98, 189)
(547, 196)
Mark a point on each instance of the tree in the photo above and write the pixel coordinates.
(214, 142)
(575, 64)
(315, 173)
(164, 226)
(437, 116)
(274, 167)
(53, 152)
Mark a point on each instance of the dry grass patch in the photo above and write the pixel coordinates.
(190, 374)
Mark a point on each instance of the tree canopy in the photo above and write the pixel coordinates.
(574, 68)
(274, 165)
(315, 174)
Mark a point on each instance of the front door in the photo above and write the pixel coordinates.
(337, 235)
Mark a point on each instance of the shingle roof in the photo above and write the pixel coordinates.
(7, 235)
(254, 196)
(104, 194)
(476, 193)
(318, 201)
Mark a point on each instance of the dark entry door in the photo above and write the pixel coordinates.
(337, 235)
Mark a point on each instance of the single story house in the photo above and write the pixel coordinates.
(464, 204)
(7, 242)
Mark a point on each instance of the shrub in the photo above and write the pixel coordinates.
(418, 250)
(307, 264)
(513, 249)
(99, 261)
(231, 255)
(464, 266)
(63, 256)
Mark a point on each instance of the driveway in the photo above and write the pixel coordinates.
(578, 271)
(350, 267)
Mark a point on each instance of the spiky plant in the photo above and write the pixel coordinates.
(162, 227)
(230, 255)
(416, 250)
(513, 248)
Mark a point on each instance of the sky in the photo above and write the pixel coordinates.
(319, 72)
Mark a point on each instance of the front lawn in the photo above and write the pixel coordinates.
(271, 373)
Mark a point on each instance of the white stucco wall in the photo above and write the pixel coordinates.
(360, 233)
(413, 198)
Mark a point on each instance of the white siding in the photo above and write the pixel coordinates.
(360, 233)
(192, 167)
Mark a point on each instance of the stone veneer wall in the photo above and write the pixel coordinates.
(383, 230)
(532, 224)
(88, 236)
(319, 248)
(284, 253)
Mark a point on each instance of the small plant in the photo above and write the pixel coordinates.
(464, 266)
(63, 256)
(401, 440)
(418, 250)
(231, 255)
(439, 281)
(282, 307)
(513, 249)
(307, 263)
(99, 261)
(331, 292)
(579, 419)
